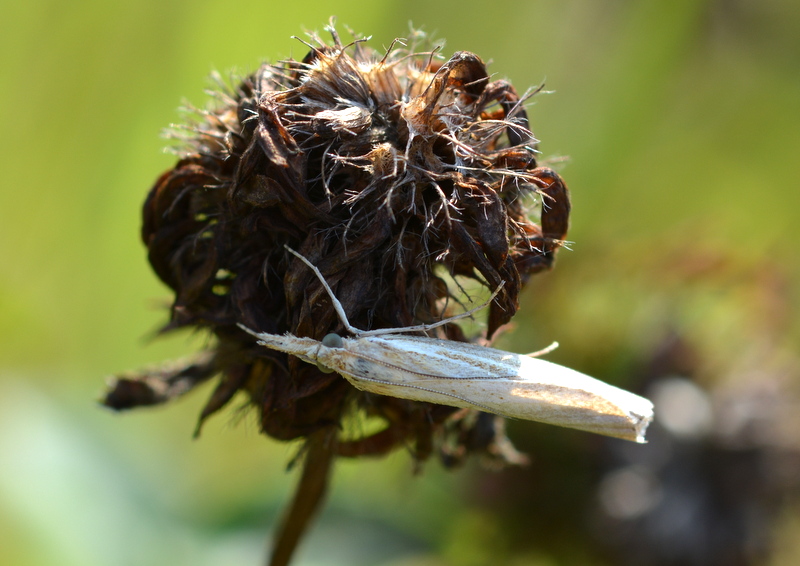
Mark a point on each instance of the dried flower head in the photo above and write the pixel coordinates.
(391, 172)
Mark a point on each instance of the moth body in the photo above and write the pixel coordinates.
(466, 375)
(389, 362)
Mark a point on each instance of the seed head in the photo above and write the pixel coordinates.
(391, 172)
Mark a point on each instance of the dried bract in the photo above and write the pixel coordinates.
(388, 171)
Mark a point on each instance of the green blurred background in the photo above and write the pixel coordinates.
(681, 124)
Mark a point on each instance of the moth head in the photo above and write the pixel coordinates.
(331, 340)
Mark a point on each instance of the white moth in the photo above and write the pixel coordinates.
(459, 374)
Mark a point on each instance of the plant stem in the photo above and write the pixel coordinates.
(310, 493)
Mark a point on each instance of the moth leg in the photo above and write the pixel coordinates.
(336, 304)
(432, 325)
(544, 351)
(419, 328)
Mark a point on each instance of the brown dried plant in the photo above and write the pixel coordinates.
(393, 173)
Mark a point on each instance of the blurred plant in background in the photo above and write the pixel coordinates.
(719, 476)
(680, 120)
